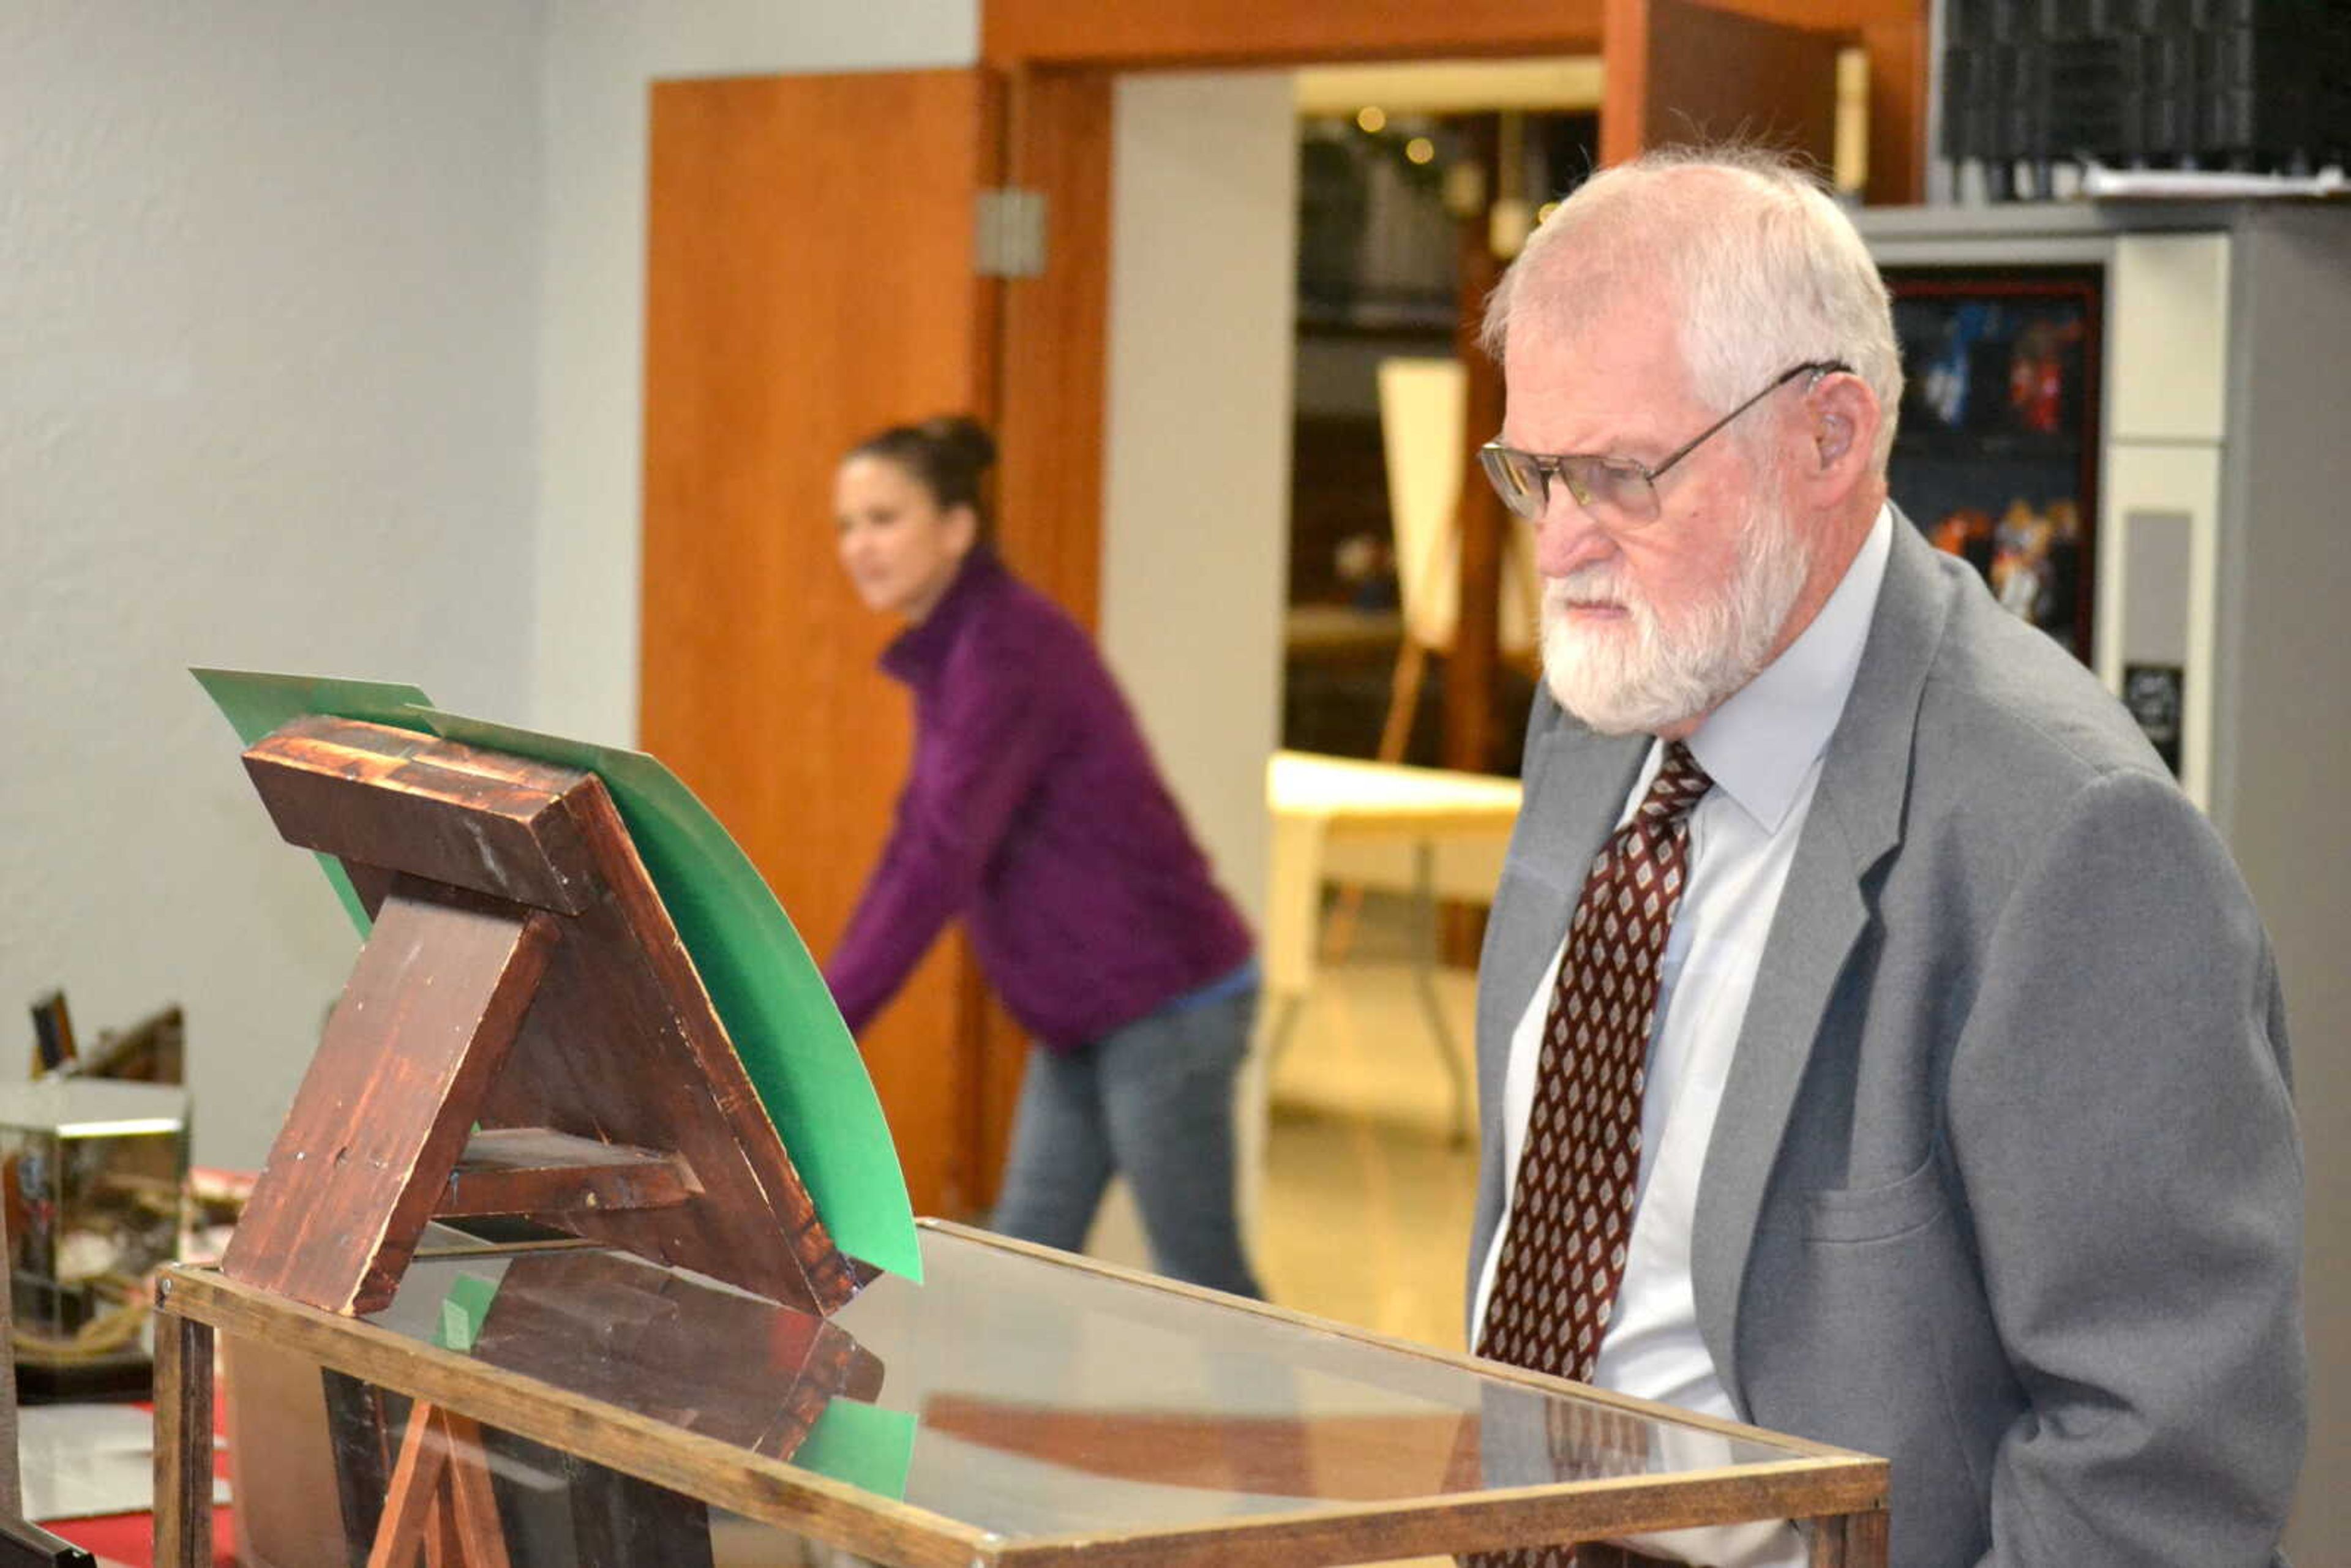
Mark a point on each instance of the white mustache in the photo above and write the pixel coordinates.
(1594, 584)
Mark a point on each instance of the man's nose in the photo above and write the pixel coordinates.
(1565, 536)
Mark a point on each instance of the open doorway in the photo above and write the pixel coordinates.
(747, 312)
(1275, 236)
(1402, 169)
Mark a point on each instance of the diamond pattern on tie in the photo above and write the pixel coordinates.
(1577, 1173)
(1571, 1210)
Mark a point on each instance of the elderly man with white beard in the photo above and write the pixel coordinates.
(1873, 1042)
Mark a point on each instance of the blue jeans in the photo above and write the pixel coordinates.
(1152, 1102)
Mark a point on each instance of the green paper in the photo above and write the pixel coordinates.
(463, 1311)
(864, 1445)
(799, 1055)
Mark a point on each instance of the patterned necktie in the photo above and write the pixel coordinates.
(1572, 1207)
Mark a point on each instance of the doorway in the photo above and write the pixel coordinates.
(1032, 350)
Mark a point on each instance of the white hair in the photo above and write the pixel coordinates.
(1767, 270)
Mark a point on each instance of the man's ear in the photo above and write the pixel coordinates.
(1840, 425)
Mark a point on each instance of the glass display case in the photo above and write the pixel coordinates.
(95, 1177)
(568, 1403)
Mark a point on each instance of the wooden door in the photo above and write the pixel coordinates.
(809, 278)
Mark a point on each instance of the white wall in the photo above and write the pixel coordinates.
(1197, 482)
(320, 349)
(268, 297)
(601, 56)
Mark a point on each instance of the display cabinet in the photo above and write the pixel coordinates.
(569, 1402)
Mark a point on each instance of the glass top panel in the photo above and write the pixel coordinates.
(1030, 1397)
(93, 1107)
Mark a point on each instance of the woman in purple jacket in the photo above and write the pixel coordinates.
(1034, 812)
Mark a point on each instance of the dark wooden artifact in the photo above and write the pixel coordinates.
(523, 1035)
(644, 1340)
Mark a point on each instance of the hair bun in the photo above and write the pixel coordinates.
(966, 438)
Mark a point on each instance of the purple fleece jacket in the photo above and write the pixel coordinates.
(1032, 810)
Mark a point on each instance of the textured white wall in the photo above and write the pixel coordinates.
(1197, 484)
(1196, 506)
(268, 295)
(602, 56)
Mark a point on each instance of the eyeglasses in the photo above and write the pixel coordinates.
(1618, 490)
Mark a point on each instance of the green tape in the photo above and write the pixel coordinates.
(463, 1312)
(864, 1445)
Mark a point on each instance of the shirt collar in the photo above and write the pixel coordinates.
(916, 655)
(1760, 745)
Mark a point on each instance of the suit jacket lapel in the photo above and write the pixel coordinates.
(1854, 822)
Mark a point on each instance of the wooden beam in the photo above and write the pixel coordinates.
(184, 1437)
(1194, 33)
(1019, 35)
(1474, 664)
(410, 1052)
(532, 1170)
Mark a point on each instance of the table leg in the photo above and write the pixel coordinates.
(1285, 1024)
(1426, 956)
(1850, 1539)
(184, 1437)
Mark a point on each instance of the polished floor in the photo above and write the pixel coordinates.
(1363, 1213)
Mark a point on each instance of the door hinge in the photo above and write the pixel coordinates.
(1010, 237)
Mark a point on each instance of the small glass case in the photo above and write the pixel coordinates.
(95, 1180)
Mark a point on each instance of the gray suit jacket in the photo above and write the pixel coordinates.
(2005, 1184)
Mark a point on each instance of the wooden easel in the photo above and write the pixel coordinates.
(439, 1501)
(523, 1035)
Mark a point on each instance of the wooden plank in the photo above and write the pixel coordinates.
(1856, 1540)
(1714, 73)
(1182, 34)
(408, 1520)
(1196, 33)
(382, 1114)
(1493, 1520)
(537, 1170)
(1676, 71)
(641, 1339)
(625, 1045)
(703, 1467)
(472, 1508)
(1899, 61)
(183, 1436)
(1474, 663)
(1056, 355)
(450, 813)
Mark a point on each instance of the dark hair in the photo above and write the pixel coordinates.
(949, 456)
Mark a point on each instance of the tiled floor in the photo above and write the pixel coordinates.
(1365, 1213)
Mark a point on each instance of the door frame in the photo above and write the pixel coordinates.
(1060, 61)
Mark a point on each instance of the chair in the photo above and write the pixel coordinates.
(1421, 430)
(1421, 418)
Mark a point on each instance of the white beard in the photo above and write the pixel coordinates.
(1641, 674)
